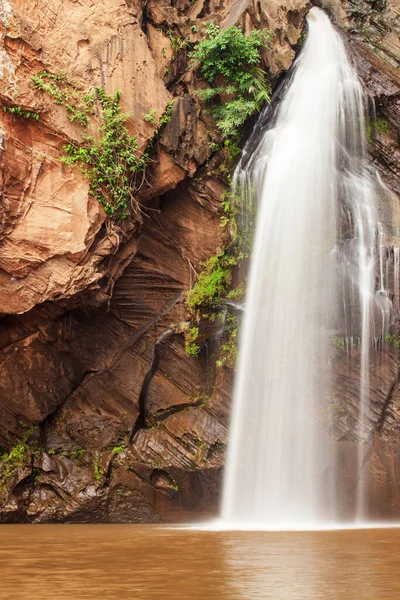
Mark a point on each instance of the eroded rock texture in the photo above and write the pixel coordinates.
(130, 428)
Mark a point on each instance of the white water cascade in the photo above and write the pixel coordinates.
(311, 283)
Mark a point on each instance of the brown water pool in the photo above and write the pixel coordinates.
(134, 562)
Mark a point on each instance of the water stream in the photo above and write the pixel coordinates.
(311, 287)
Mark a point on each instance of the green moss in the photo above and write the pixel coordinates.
(98, 471)
(198, 442)
(212, 282)
(237, 293)
(119, 449)
(229, 349)
(380, 126)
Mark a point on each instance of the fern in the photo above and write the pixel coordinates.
(233, 57)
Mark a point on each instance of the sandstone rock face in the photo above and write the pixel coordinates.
(127, 426)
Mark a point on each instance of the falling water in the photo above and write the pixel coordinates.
(311, 283)
(396, 278)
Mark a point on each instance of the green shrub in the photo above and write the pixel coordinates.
(233, 58)
(338, 343)
(393, 340)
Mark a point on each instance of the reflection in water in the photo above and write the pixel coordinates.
(146, 563)
(353, 564)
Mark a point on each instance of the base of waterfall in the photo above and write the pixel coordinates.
(221, 525)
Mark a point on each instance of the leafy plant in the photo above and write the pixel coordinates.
(198, 442)
(19, 112)
(36, 472)
(166, 116)
(18, 457)
(393, 340)
(191, 335)
(177, 43)
(98, 471)
(111, 163)
(382, 126)
(231, 60)
(77, 453)
(65, 92)
(174, 483)
(212, 286)
(151, 117)
(236, 293)
(338, 343)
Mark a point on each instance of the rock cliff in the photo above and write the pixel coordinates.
(110, 419)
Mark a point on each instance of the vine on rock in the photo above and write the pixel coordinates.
(111, 163)
(109, 157)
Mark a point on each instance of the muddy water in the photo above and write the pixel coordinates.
(144, 563)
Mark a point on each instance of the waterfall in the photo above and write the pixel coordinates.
(396, 278)
(310, 291)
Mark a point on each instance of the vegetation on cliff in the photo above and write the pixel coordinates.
(230, 62)
(109, 157)
(111, 163)
(18, 111)
(20, 456)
